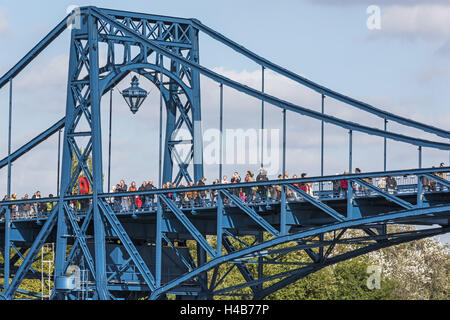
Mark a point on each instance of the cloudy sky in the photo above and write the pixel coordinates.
(403, 67)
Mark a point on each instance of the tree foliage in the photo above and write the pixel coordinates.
(414, 270)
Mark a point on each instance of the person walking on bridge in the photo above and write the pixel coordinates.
(391, 184)
(235, 179)
(262, 190)
(150, 198)
(132, 199)
(38, 207)
(124, 200)
(344, 186)
(250, 192)
(442, 175)
(142, 197)
(214, 193)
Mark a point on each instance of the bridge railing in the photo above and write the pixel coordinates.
(404, 184)
(252, 193)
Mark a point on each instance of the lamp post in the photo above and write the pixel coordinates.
(134, 95)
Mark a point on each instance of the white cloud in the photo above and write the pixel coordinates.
(50, 72)
(434, 72)
(3, 21)
(423, 21)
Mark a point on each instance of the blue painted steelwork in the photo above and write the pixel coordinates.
(221, 134)
(385, 147)
(262, 117)
(149, 251)
(7, 250)
(387, 195)
(109, 138)
(318, 204)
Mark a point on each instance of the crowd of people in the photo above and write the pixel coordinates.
(205, 197)
(262, 193)
(34, 209)
(255, 193)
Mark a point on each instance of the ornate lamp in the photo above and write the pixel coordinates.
(134, 95)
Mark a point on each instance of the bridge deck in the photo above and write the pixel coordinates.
(301, 214)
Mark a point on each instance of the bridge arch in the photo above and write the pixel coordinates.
(174, 106)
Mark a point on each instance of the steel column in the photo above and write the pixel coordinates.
(260, 238)
(350, 150)
(171, 114)
(8, 213)
(283, 188)
(284, 142)
(420, 157)
(221, 134)
(196, 107)
(322, 143)
(385, 145)
(59, 164)
(158, 244)
(109, 138)
(262, 118)
(99, 228)
(219, 224)
(160, 120)
(283, 211)
(66, 169)
(8, 190)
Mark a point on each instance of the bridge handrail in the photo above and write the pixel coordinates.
(280, 182)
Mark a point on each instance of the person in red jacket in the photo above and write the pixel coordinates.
(305, 186)
(344, 186)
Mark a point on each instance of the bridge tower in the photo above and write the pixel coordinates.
(88, 81)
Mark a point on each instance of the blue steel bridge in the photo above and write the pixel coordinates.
(102, 252)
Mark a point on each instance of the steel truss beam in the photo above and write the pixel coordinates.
(81, 237)
(80, 241)
(128, 244)
(189, 226)
(336, 215)
(382, 218)
(246, 273)
(251, 213)
(387, 195)
(438, 179)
